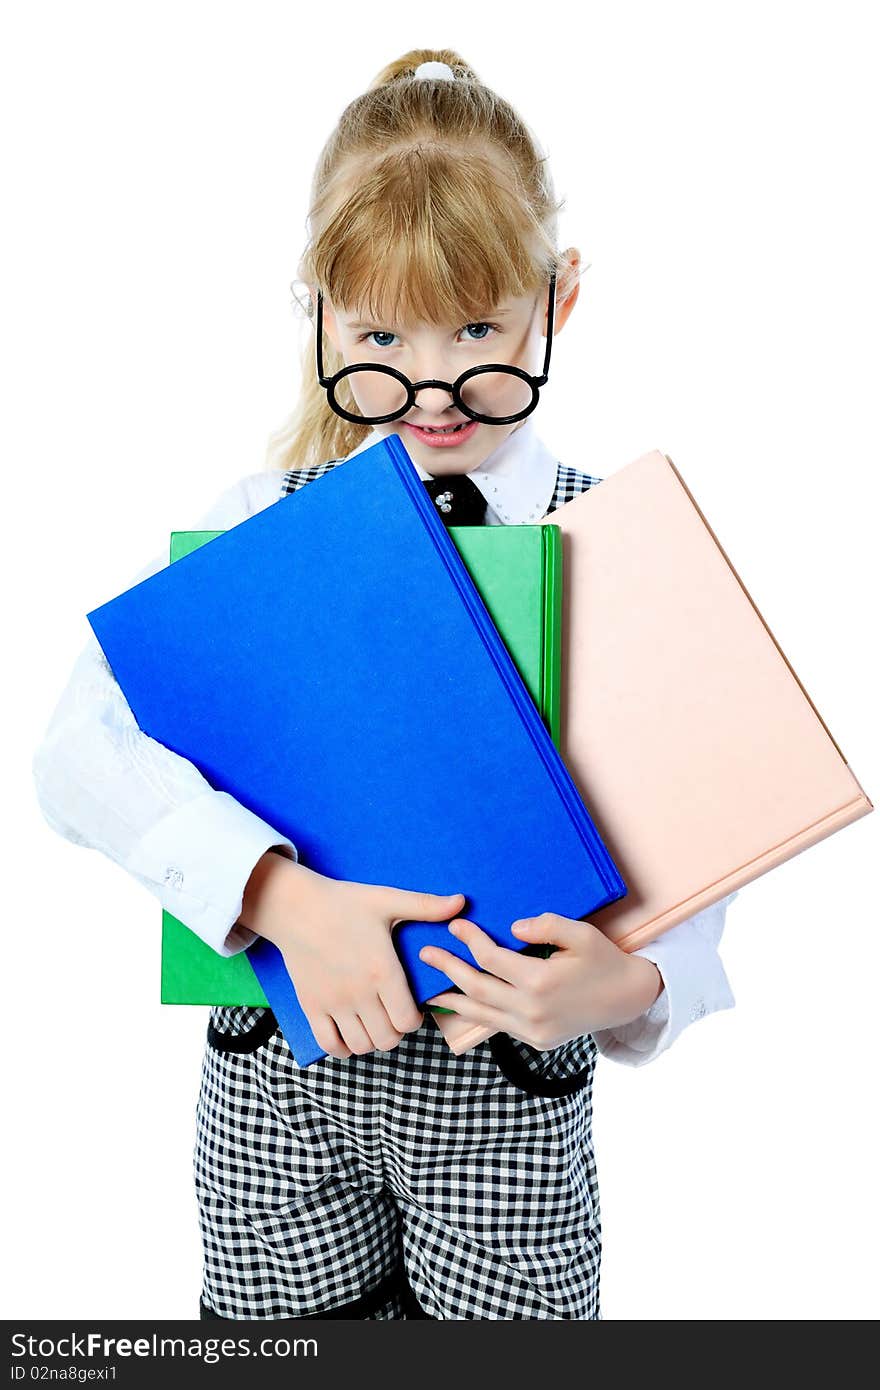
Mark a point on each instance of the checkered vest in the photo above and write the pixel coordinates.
(569, 481)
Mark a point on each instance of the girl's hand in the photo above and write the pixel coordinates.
(335, 938)
(589, 983)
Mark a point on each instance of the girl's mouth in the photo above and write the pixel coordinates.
(447, 438)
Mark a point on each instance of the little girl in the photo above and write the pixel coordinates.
(393, 1179)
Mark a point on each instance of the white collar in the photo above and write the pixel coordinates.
(518, 479)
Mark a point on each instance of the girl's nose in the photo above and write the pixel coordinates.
(433, 400)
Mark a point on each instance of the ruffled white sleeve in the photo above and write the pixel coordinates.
(695, 985)
(103, 783)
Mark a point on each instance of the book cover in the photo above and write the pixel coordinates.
(517, 571)
(705, 758)
(330, 663)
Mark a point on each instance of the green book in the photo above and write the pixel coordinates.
(517, 571)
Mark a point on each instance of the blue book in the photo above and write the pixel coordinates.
(330, 664)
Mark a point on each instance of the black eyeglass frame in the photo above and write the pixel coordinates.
(454, 387)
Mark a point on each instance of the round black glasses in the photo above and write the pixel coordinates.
(493, 394)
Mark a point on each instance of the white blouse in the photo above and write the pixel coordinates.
(103, 783)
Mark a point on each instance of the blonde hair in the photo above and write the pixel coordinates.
(430, 200)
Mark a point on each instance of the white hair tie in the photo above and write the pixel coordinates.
(439, 70)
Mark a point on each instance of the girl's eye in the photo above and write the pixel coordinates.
(481, 337)
(381, 338)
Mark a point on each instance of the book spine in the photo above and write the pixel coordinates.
(812, 835)
(503, 661)
(552, 637)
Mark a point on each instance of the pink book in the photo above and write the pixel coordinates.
(702, 759)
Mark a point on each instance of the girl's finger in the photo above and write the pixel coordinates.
(403, 1012)
(475, 1012)
(379, 1028)
(354, 1034)
(406, 906)
(477, 984)
(500, 961)
(328, 1036)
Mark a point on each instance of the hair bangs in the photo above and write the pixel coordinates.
(429, 234)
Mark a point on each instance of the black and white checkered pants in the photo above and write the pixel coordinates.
(318, 1186)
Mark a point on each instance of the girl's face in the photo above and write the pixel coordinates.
(512, 333)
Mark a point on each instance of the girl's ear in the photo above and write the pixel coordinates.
(568, 287)
(329, 320)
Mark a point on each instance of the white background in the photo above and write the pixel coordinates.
(718, 167)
